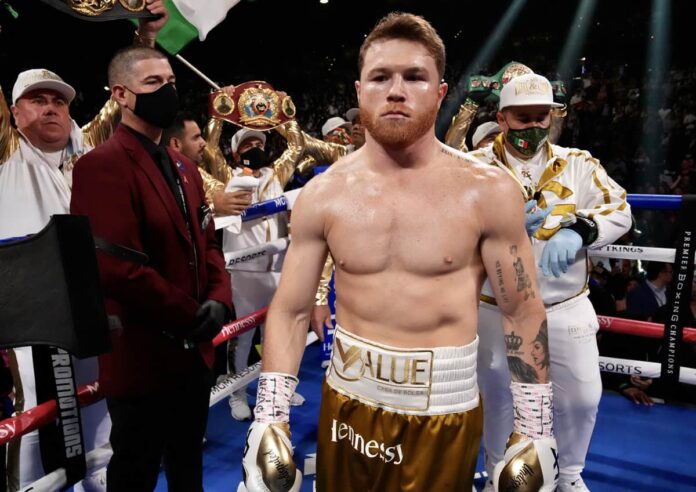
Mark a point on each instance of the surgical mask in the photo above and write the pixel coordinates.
(157, 108)
(527, 141)
(254, 158)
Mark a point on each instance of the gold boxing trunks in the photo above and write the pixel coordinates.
(398, 420)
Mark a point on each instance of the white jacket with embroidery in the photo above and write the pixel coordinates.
(573, 182)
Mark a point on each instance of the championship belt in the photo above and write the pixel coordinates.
(102, 10)
(495, 83)
(255, 105)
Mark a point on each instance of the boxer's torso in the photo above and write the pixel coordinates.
(406, 247)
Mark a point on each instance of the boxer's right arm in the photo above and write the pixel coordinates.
(289, 314)
(267, 461)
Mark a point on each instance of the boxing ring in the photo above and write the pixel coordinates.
(671, 428)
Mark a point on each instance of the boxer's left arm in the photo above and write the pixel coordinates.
(509, 262)
(507, 255)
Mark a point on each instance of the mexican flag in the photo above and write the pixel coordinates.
(191, 18)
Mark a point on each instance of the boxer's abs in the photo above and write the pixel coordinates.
(408, 310)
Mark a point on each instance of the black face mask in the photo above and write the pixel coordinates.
(157, 108)
(254, 158)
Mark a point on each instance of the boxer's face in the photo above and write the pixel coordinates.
(42, 115)
(399, 92)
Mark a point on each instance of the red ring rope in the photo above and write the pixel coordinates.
(640, 328)
(46, 412)
(42, 414)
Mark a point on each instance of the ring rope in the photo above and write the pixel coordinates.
(46, 412)
(99, 457)
(270, 207)
(642, 368)
(262, 250)
(640, 328)
(628, 252)
(655, 202)
(42, 414)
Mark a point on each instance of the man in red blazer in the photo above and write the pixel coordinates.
(166, 311)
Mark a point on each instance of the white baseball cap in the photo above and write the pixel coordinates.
(484, 130)
(40, 78)
(352, 113)
(527, 90)
(333, 123)
(244, 134)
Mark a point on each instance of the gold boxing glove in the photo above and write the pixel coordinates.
(530, 465)
(268, 464)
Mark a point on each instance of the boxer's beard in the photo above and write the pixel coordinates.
(398, 132)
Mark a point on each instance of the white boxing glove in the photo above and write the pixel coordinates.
(530, 465)
(268, 464)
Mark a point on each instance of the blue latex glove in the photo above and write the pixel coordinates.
(534, 217)
(559, 252)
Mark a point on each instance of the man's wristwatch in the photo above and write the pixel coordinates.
(586, 228)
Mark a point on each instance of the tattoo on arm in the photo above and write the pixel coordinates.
(520, 371)
(501, 282)
(524, 283)
(540, 348)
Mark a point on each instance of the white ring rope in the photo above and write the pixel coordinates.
(262, 250)
(627, 252)
(99, 457)
(642, 368)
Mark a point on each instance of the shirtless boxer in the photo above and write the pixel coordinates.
(414, 228)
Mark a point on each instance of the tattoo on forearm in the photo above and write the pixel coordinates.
(540, 348)
(513, 343)
(501, 283)
(521, 372)
(524, 283)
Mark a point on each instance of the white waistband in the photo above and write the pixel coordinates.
(415, 381)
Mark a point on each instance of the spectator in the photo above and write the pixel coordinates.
(651, 294)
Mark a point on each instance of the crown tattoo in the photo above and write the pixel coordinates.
(513, 342)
